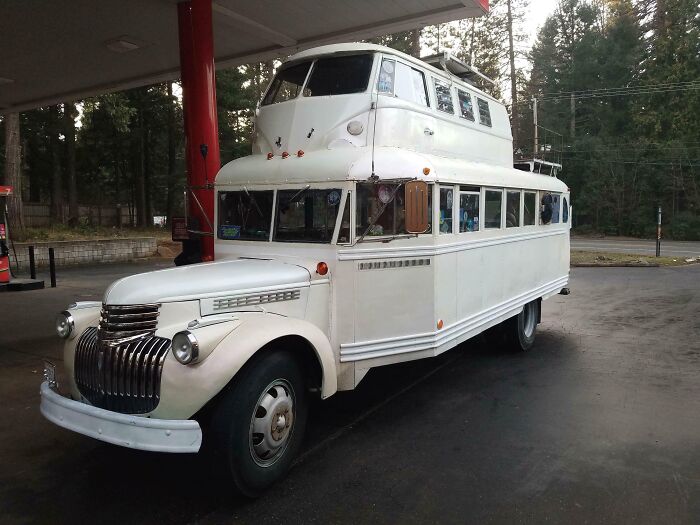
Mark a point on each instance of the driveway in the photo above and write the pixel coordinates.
(598, 423)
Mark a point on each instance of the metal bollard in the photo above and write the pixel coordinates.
(52, 268)
(32, 263)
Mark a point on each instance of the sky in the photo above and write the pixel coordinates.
(539, 11)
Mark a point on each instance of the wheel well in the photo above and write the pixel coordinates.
(300, 348)
(304, 352)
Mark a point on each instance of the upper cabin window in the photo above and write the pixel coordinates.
(446, 205)
(339, 75)
(484, 112)
(287, 83)
(306, 215)
(529, 208)
(466, 109)
(443, 95)
(245, 215)
(512, 209)
(402, 81)
(469, 209)
(492, 211)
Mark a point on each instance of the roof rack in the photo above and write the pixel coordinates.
(454, 66)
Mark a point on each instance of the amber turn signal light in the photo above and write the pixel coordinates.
(322, 268)
(426, 171)
(439, 324)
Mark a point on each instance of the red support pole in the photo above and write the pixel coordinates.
(199, 108)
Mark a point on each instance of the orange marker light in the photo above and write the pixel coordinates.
(285, 154)
(439, 325)
(426, 171)
(322, 268)
(270, 155)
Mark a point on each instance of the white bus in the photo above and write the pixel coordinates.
(378, 220)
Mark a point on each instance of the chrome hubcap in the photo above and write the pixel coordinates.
(272, 422)
(529, 319)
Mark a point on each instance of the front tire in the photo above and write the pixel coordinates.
(258, 424)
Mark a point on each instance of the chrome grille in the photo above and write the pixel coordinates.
(121, 323)
(120, 376)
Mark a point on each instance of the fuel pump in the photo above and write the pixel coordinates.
(5, 191)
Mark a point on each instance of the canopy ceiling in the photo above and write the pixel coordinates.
(59, 50)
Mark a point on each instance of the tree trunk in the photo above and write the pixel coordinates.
(69, 114)
(572, 125)
(13, 161)
(172, 150)
(415, 43)
(56, 175)
(515, 124)
(140, 183)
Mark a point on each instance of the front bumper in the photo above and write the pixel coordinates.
(143, 433)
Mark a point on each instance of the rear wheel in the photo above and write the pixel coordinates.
(258, 425)
(520, 330)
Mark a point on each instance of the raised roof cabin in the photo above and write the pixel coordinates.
(323, 99)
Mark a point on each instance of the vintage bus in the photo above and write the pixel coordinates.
(378, 220)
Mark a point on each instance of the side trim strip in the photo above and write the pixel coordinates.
(427, 251)
(460, 330)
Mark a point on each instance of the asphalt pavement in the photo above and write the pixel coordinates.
(688, 249)
(598, 423)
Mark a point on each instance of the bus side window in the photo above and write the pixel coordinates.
(512, 209)
(556, 207)
(529, 208)
(492, 211)
(546, 209)
(446, 204)
(565, 211)
(469, 210)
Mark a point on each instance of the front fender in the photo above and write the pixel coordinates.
(185, 389)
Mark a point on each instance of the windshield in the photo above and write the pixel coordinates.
(336, 75)
(339, 76)
(287, 84)
(306, 215)
(245, 215)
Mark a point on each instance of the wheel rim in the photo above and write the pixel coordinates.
(529, 320)
(272, 423)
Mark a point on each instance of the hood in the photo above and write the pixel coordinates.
(199, 281)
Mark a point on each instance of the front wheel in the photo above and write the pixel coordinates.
(520, 330)
(258, 425)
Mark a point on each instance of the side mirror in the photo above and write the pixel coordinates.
(416, 199)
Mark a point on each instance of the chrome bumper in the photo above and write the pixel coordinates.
(158, 435)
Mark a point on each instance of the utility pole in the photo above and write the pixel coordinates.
(658, 231)
(573, 116)
(534, 125)
(515, 120)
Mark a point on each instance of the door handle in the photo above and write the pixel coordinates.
(428, 131)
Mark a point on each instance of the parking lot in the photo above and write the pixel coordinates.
(599, 423)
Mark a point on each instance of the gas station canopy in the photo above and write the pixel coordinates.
(59, 50)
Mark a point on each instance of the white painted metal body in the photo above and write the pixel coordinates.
(406, 298)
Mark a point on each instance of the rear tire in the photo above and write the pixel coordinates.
(520, 330)
(258, 424)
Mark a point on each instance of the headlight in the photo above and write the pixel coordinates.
(64, 324)
(185, 347)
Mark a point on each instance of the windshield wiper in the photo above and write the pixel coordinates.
(374, 219)
(298, 194)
